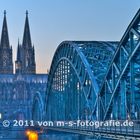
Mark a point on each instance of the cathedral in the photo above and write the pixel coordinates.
(18, 89)
(25, 62)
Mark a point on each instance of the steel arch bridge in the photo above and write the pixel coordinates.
(92, 80)
(76, 75)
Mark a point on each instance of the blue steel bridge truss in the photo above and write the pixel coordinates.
(76, 75)
(96, 80)
(119, 96)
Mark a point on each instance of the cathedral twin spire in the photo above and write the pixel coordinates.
(4, 35)
(6, 63)
(26, 35)
(25, 62)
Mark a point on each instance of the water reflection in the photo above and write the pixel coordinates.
(59, 137)
(49, 135)
(66, 136)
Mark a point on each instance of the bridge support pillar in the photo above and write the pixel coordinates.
(123, 107)
(132, 80)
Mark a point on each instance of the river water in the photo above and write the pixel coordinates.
(20, 134)
(66, 136)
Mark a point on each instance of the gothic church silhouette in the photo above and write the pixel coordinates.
(19, 89)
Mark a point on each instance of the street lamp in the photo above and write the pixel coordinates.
(32, 135)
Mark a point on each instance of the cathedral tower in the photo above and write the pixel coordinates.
(25, 62)
(6, 62)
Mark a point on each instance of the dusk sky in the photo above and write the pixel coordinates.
(53, 21)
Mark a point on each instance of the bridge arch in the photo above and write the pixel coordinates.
(38, 107)
(75, 78)
(120, 91)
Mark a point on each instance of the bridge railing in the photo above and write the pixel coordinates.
(124, 130)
